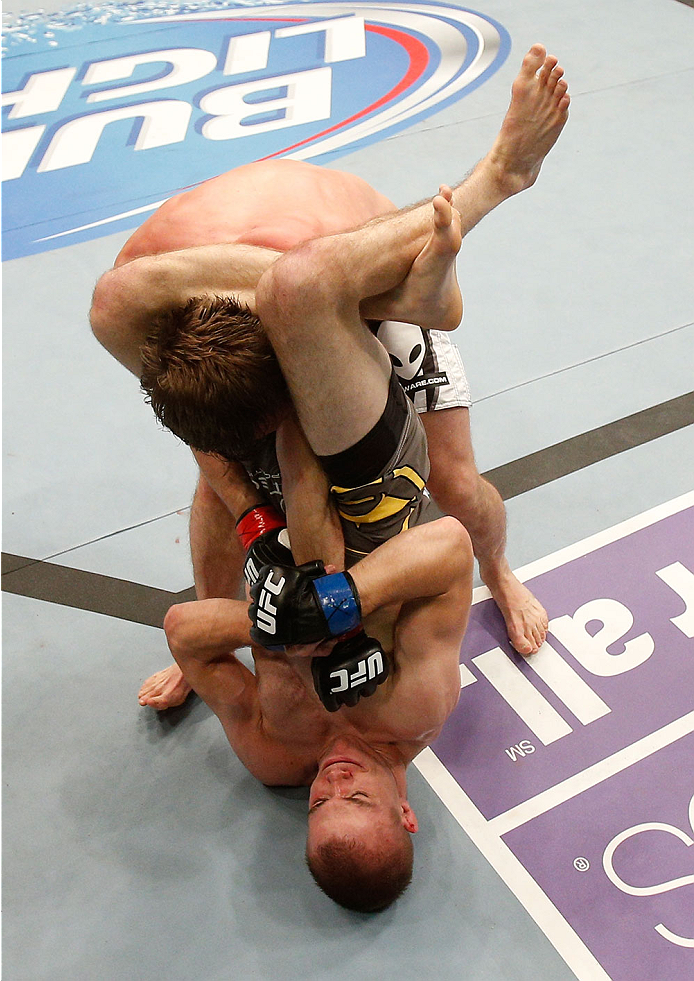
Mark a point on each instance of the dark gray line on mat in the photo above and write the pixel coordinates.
(146, 604)
(89, 590)
(581, 451)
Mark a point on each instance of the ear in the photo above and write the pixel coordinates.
(409, 818)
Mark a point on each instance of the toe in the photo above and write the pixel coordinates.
(547, 67)
(443, 213)
(554, 77)
(533, 60)
(520, 641)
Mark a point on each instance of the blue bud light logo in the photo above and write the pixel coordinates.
(110, 110)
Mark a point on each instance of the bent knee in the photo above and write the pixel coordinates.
(174, 627)
(454, 536)
(307, 278)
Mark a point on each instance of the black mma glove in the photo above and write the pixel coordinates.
(260, 530)
(354, 669)
(302, 605)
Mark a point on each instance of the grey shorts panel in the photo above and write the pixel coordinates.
(428, 365)
(374, 512)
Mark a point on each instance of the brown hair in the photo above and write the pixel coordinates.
(363, 877)
(211, 376)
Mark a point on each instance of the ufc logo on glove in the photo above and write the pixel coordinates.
(366, 670)
(266, 614)
(302, 605)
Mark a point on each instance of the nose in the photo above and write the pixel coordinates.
(338, 775)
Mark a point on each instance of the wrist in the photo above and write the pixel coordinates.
(257, 521)
(339, 600)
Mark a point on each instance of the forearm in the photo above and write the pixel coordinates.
(202, 637)
(128, 299)
(230, 482)
(312, 519)
(423, 562)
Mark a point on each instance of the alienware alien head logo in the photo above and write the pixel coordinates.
(111, 109)
(405, 345)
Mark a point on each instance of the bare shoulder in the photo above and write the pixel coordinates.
(230, 690)
(268, 759)
(427, 642)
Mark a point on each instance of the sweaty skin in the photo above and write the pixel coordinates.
(279, 204)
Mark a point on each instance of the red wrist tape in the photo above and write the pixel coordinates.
(258, 521)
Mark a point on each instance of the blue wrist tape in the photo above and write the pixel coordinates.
(340, 605)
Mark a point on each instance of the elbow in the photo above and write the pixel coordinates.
(99, 311)
(108, 318)
(111, 316)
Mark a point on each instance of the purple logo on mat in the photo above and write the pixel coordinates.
(617, 665)
(581, 757)
(631, 898)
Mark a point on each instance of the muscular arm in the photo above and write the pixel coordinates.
(429, 571)
(312, 519)
(202, 637)
(428, 561)
(229, 481)
(128, 298)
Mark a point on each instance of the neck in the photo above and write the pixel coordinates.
(352, 746)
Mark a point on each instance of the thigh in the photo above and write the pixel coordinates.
(338, 375)
(379, 509)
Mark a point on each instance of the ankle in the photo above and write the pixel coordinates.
(495, 572)
(507, 178)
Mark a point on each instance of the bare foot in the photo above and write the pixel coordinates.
(430, 295)
(525, 617)
(165, 689)
(536, 116)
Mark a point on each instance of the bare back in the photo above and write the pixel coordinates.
(274, 203)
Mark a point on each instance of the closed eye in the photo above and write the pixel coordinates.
(359, 797)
